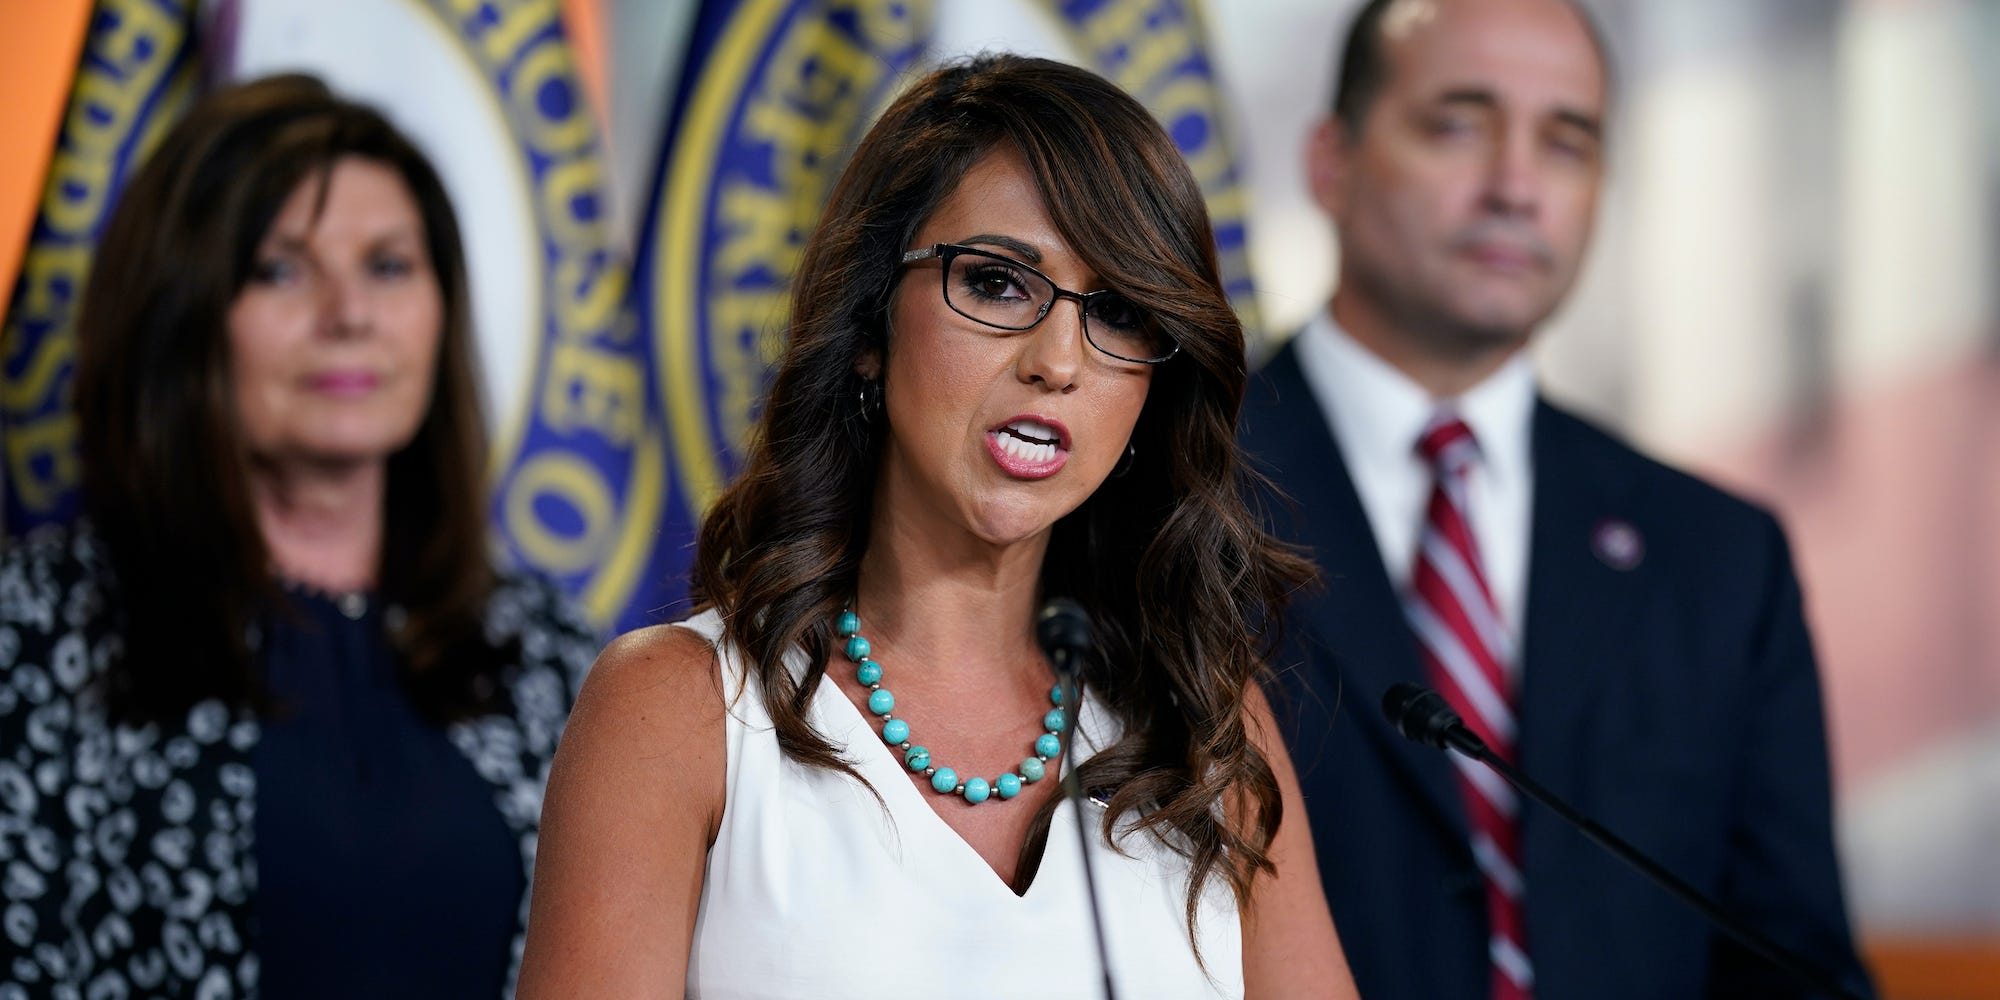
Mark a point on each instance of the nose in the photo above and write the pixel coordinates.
(1055, 348)
(1513, 178)
(345, 305)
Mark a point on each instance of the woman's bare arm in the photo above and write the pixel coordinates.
(633, 804)
(1290, 948)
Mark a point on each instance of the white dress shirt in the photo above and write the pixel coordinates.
(1377, 413)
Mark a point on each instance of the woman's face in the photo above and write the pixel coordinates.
(334, 340)
(1002, 432)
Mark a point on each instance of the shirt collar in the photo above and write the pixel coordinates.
(1378, 412)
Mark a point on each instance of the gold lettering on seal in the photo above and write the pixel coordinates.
(807, 109)
(1151, 69)
(562, 477)
(132, 42)
(589, 382)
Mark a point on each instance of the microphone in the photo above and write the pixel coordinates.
(1423, 716)
(1064, 632)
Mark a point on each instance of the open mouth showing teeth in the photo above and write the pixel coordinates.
(1030, 441)
(1032, 433)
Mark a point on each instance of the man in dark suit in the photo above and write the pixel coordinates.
(1626, 633)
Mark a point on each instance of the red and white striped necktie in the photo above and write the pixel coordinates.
(1466, 650)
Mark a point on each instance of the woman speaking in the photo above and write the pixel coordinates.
(1011, 375)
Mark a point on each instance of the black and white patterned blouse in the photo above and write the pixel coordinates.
(127, 862)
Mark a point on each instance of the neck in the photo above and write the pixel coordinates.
(1445, 362)
(321, 524)
(959, 605)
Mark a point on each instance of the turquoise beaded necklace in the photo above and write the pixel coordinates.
(896, 732)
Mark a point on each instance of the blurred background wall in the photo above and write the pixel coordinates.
(1792, 292)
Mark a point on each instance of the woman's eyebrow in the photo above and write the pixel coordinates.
(1025, 251)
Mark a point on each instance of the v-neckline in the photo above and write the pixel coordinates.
(878, 763)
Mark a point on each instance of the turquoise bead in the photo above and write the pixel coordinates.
(896, 732)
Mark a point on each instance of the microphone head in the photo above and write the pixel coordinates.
(1420, 714)
(1064, 625)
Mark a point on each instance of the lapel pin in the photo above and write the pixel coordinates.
(1618, 544)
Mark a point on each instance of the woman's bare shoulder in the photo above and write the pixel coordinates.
(656, 684)
(653, 654)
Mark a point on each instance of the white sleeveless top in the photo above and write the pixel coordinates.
(815, 890)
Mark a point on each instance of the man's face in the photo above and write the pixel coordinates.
(1465, 198)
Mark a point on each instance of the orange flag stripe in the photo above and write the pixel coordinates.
(583, 23)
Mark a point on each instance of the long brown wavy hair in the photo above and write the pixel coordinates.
(165, 467)
(1177, 574)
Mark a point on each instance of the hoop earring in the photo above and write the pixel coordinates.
(870, 400)
(1125, 464)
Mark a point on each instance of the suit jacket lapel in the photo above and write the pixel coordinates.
(1580, 595)
(1356, 621)
(1584, 592)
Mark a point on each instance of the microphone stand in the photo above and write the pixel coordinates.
(1064, 660)
(1446, 731)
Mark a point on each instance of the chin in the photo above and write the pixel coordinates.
(1008, 523)
(350, 449)
(1492, 324)
(1009, 531)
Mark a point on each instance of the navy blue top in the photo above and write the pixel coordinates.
(384, 867)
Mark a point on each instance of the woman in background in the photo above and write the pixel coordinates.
(1011, 375)
(270, 721)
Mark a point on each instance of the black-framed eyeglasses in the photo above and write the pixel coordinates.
(1004, 293)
